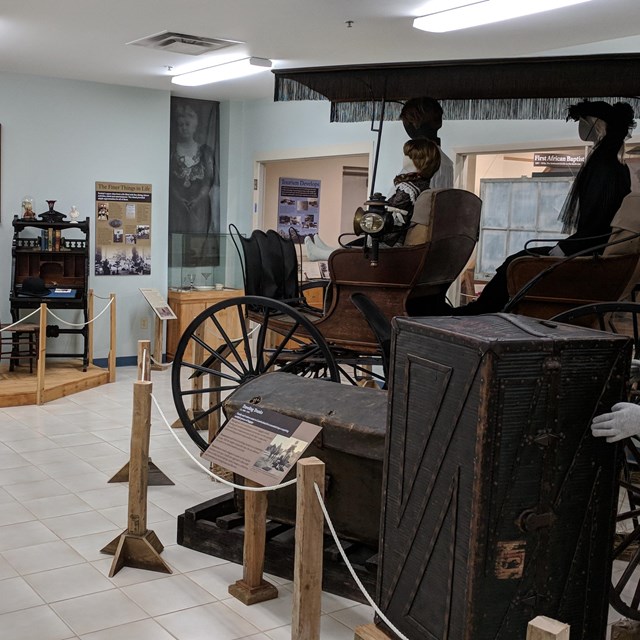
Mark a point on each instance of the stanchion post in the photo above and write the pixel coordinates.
(543, 628)
(252, 587)
(90, 300)
(138, 546)
(42, 354)
(144, 360)
(112, 338)
(155, 475)
(307, 567)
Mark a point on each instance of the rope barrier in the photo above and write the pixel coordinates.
(19, 321)
(213, 475)
(350, 568)
(144, 364)
(81, 324)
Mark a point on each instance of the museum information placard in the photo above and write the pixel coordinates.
(260, 444)
(123, 229)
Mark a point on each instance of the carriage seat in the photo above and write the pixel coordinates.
(582, 280)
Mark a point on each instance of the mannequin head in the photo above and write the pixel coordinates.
(599, 120)
(591, 129)
(424, 154)
(422, 117)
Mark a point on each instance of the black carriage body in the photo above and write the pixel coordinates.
(351, 444)
(498, 503)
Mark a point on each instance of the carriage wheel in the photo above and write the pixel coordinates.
(624, 594)
(211, 362)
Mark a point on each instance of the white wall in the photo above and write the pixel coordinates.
(58, 138)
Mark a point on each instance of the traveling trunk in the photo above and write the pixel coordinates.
(498, 503)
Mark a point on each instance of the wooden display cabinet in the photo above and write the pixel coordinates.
(57, 252)
(187, 305)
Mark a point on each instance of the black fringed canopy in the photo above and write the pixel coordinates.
(492, 89)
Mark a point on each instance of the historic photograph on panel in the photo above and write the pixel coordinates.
(194, 183)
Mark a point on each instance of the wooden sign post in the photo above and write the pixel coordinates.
(253, 587)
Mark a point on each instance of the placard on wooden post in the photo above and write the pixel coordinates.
(252, 587)
(307, 568)
(155, 476)
(42, 354)
(138, 546)
(158, 345)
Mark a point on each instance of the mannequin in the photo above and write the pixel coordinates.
(421, 162)
(595, 196)
(422, 118)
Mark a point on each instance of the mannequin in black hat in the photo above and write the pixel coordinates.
(595, 196)
(422, 118)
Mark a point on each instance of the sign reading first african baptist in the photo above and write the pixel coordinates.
(557, 159)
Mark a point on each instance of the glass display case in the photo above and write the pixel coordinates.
(203, 262)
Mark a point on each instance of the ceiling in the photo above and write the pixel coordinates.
(87, 39)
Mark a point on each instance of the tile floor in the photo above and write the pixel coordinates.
(57, 511)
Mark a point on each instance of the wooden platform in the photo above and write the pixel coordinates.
(62, 378)
(216, 528)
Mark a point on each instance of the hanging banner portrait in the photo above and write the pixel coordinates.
(123, 229)
(194, 183)
(298, 206)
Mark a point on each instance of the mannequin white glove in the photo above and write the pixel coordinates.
(622, 422)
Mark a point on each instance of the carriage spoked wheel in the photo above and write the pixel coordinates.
(624, 595)
(233, 342)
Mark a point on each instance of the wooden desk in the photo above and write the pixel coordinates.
(188, 304)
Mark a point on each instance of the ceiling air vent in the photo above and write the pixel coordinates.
(182, 43)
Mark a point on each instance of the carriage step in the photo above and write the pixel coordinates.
(216, 528)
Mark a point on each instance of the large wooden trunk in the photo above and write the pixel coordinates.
(498, 503)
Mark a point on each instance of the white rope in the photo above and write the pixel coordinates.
(81, 324)
(144, 363)
(213, 475)
(351, 570)
(21, 320)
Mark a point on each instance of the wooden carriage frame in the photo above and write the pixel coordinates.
(353, 330)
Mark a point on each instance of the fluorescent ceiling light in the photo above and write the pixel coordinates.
(221, 72)
(449, 15)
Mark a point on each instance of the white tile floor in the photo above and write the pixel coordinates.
(57, 511)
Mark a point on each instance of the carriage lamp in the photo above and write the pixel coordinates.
(374, 220)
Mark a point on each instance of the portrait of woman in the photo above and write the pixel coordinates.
(193, 180)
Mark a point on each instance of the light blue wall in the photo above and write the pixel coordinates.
(58, 138)
(257, 127)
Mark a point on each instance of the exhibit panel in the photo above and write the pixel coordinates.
(498, 503)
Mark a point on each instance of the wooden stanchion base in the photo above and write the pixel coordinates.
(155, 476)
(369, 632)
(250, 595)
(202, 425)
(139, 552)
